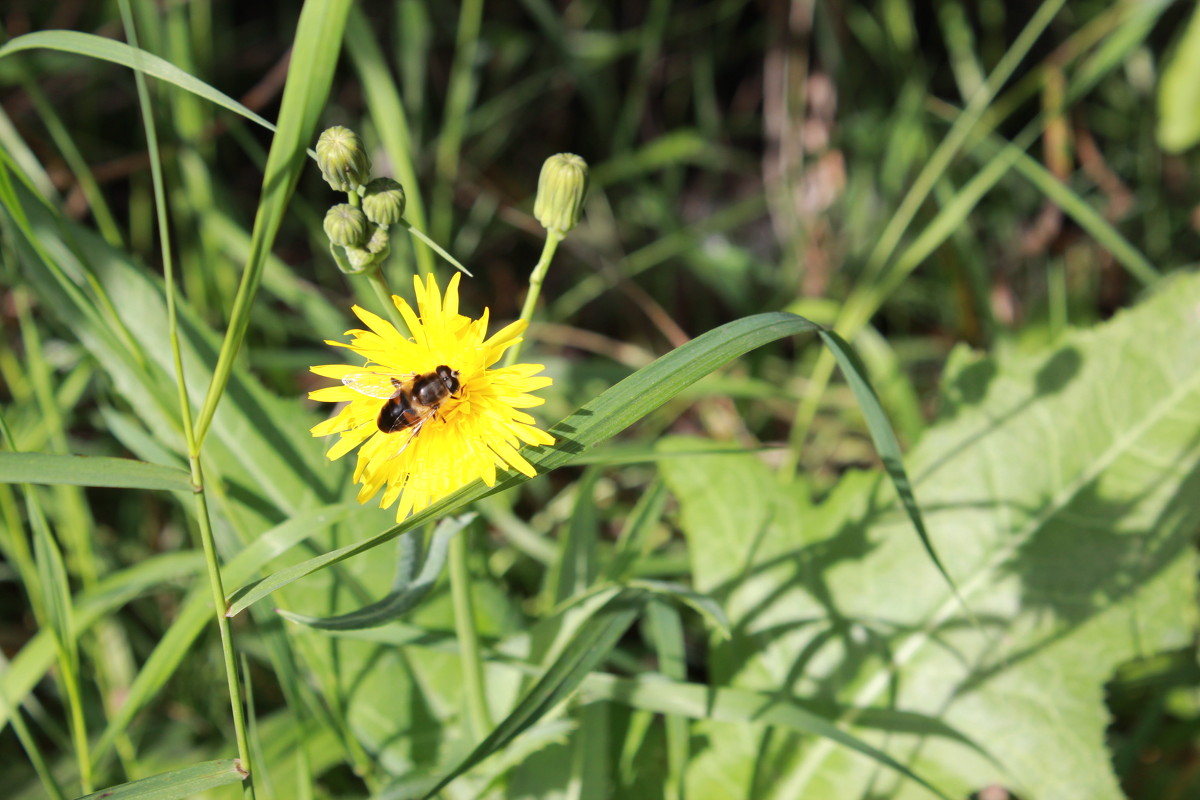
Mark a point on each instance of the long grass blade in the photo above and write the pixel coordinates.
(176, 784)
(70, 470)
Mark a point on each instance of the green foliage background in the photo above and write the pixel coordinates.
(722, 583)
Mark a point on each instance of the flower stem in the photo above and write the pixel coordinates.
(468, 638)
(384, 294)
(536, 278)
(218, 594)
(193, 434)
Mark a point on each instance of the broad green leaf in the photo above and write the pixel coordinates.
(176, 784)
(1062, 489)
(122, 473)
(405, 598)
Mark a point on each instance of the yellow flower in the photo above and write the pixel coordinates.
(472, 431)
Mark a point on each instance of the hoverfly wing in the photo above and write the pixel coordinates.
(374, 384)
(412, 434)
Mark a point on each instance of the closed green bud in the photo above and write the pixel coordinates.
(346, 226)
(383, 201)
(359, 259)
(561, 189)
(380, 242)
(343, 159)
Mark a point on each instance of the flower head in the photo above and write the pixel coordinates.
(345, 225)
(383, 201)
(342, 158)
(562, 187)
(475, 424)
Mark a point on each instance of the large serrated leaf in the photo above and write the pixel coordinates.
(1062, 490)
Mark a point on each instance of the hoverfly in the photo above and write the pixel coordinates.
(412, 399)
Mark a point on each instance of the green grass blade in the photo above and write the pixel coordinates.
(70, 470)
(587, 649)
(387, 108)
(397, 603)
(700, 701)
(600, 419)
(702, 604)
(665, 630)
(437, 248)
(92, 46)
(886, 444)
(314, 58)
(635, 535)
(176, 784)
(31, 663)
(197, 610)
(624, 404)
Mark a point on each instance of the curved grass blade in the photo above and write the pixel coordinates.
(98, 47)
(314, 57)
(119, 473)
(587, 649)
(176, 784)
(438, 249)
(635, 535)
(663, 627)
(702, 604)
(611, 412)
(886, 445)
(627, 402)
(700, 701)
(404, 599)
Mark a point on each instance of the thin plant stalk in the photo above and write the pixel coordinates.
(193, 445)
(460, 577)
(384, 294)
(29, 744)
(468, 639)
(536, 279)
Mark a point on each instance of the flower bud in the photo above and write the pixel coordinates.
(561, 189)
(342, 158)
(379, 243)
(383, 201)
(359, 258)
(346, 226)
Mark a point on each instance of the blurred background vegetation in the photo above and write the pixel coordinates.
(746, 157)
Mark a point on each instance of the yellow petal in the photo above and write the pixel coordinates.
(333, 394)
(514, 459)
(335, 371)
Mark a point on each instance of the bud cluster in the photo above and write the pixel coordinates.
(358, 230)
